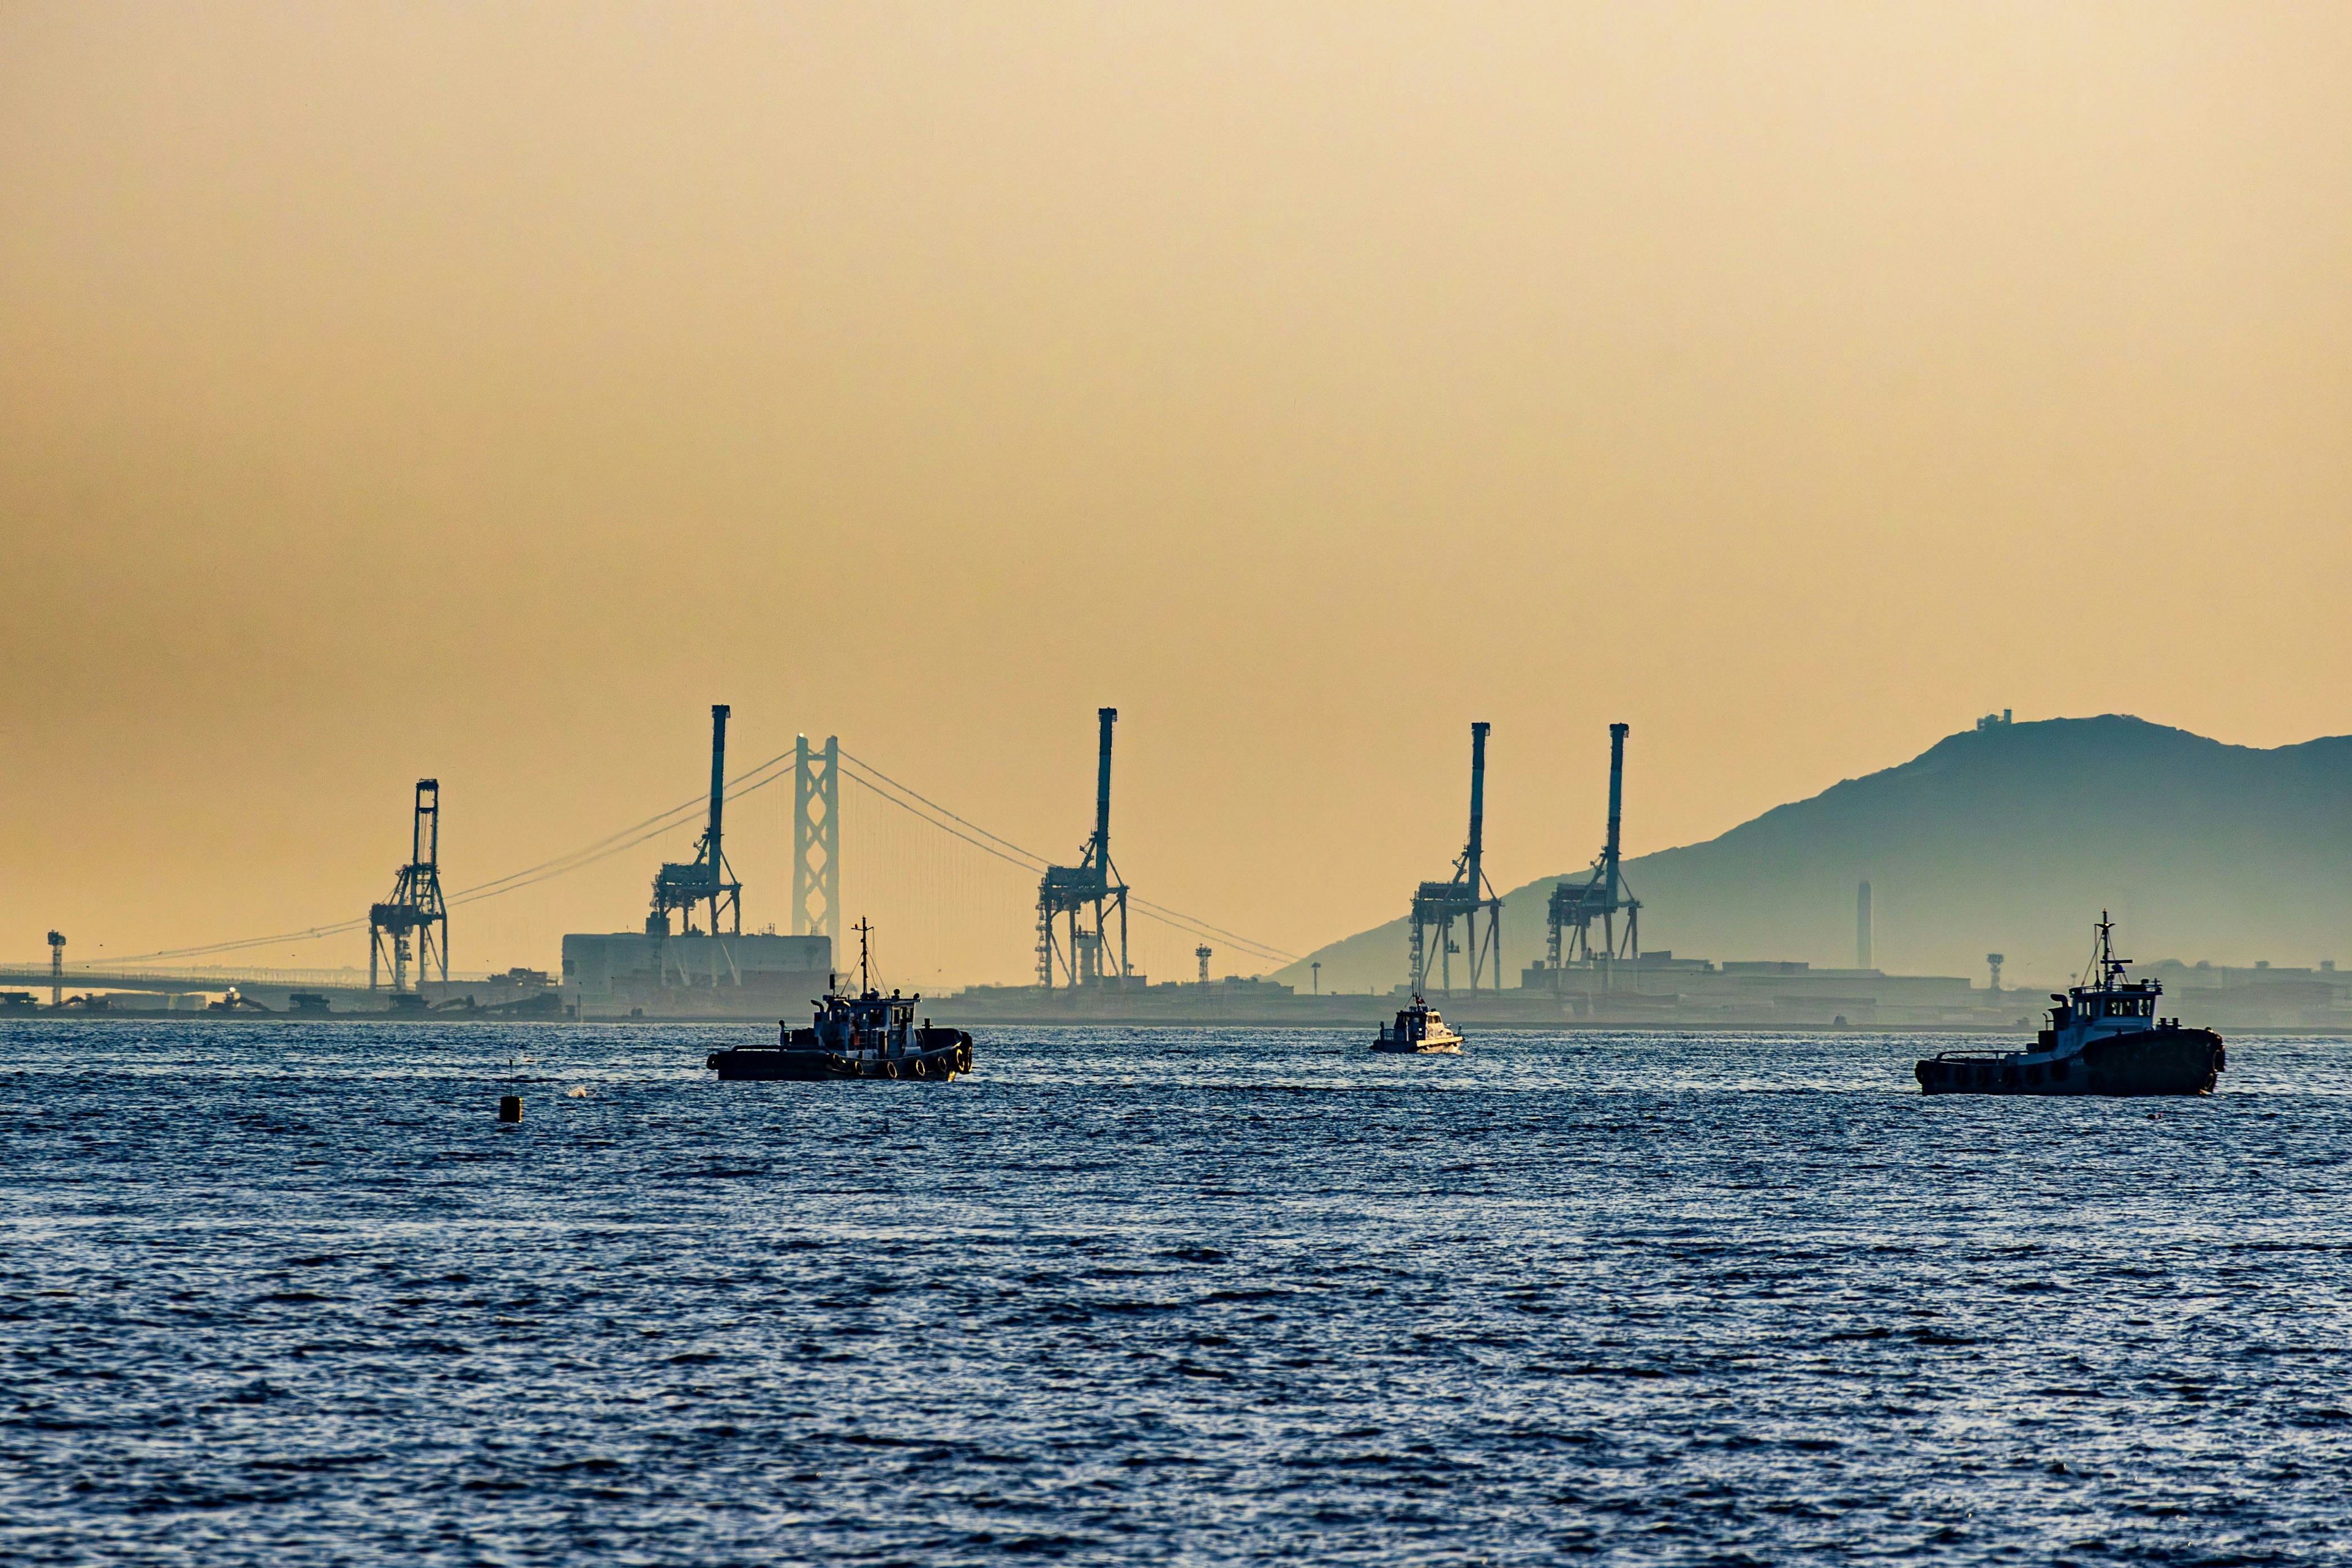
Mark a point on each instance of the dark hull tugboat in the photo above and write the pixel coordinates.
(2103, 1037)
(864, 1035)
(1418, 1032)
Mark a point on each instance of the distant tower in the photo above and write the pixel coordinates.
(1995, 961)
(1080, 953)
(57, 969)
(682, 885)
(1862, 932)
(1602, 896)
(816, 841)
(1202, 952)
(1466, 895)
(1318, 967)
(416, 908)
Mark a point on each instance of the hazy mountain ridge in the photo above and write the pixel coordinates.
(2009, 839)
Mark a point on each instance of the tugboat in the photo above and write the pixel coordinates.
(1418, 1032)
(867, 1034)
(2103, 1037)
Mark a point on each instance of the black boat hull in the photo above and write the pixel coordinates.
(2149, 1062)
(770, 1065)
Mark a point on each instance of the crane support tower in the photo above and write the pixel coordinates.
(706, 878)
(816, 841)
(414, 921)
(1074, 940)
(1602, 897)
(1466, 895)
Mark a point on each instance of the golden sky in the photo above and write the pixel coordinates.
(484, 391)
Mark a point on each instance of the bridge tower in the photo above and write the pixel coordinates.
(1601, 898)
(416, 908)
(1078, 951)
(706, 878)
(1465, 896)
(816, 841)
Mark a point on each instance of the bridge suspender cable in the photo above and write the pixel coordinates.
(1035, 862)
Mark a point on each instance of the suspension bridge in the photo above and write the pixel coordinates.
(956, 903)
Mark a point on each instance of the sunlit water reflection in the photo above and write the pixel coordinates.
(287, 1293)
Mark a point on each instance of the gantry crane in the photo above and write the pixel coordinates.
(1602, 897)
(1074, 940)
(707, 877)
(416, 908)
(1465, 896)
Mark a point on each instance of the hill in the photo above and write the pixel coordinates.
(2006, 840)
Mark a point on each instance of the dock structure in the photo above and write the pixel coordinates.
(414, 921)
(1465, 896)
(1601, 898)
(1075, 902)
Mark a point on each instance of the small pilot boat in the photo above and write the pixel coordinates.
(2105, 1037)
(1418, 1032)
(864, 1035)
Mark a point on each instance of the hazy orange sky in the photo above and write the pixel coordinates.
(484, 391)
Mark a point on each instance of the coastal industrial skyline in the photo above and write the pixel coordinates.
(470, 396)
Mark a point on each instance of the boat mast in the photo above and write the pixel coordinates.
(2106, 967)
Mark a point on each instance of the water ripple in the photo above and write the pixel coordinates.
(283, 1295)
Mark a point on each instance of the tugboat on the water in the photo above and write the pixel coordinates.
(2103, 1037)
(1418, 1032)
(864, 1035)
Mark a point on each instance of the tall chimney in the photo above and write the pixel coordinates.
(1109, 716)
(1477, 802)
(1862, 932)
(1617, 733)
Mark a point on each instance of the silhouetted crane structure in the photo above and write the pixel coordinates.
(415, 909)
(1465, 896)
(707, 877)
(1602, 897)
(1074, 901)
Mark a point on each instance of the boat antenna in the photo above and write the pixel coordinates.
(864, 982)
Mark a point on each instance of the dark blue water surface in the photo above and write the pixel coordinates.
(288, 1294)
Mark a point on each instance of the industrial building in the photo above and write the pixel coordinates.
(638, 974)
(697, 972)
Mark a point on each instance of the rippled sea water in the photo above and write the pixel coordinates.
(291, 1294)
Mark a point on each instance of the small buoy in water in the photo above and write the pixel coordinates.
(510, 1108)
(577, 1091)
